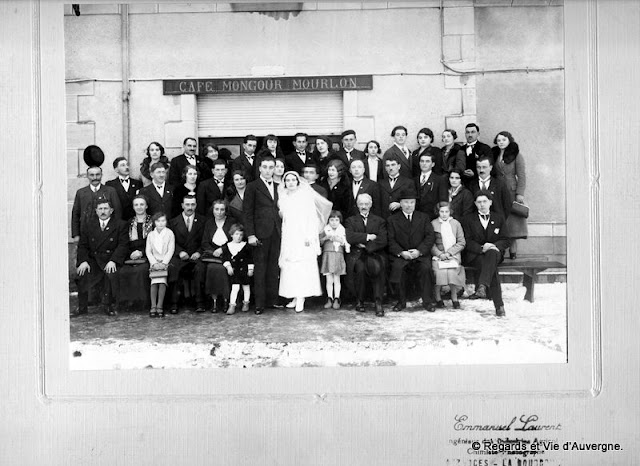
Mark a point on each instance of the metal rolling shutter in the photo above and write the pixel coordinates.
(282, 113)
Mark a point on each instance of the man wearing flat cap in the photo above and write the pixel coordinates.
(411, 237)
(348, 151)
(126, 187)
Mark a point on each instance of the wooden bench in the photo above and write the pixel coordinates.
(530, 270)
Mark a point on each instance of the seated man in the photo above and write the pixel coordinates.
(367, 234)
(411, 238)
(103, 247)
(487, 238)
(187, 228)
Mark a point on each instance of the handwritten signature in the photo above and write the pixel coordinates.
(525, 423)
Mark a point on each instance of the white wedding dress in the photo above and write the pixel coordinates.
(304, 215)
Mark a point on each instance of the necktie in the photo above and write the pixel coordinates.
(484, 185)
(102, 225)
(423, 180)
(349, 156)
(409, 218)
(364, 219)
(250, 159)
(485, 217)
(407, 153)
(392, 182)
(189, 224)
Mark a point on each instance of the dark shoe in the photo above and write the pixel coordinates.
(440, 304)
(481, 292)
(160, 312)
(110, 311)
(214, 308)
(379, 309)
(258, 311)
(152, 312)
(430, 307)
(200, 308)
(399, 306)
(500, 312)
(456, 304)
(79, 312)
(173, 309)
(360, 306)
(512, 255)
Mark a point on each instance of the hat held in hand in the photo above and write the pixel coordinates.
(93, 156)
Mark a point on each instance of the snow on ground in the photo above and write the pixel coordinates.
(530, 333)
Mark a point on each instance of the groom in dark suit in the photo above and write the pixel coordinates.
(126, 187)
(486, 235)
(263, 228)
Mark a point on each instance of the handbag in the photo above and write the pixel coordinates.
(448, 264)
(521, 210)
(158, 273)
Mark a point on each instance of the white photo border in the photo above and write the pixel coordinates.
(581, 376)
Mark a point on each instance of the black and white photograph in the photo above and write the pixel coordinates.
(319, 233)
(219, 211)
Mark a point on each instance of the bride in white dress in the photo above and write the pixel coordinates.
(304, 215)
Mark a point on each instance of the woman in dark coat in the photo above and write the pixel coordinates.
(452, 154)
(509, 163)
(322, 155)
(338, 187)
(133, 276)
(190, 180)
(460, 198)
(235, 196)
(155, 153)
(425, 141)
(216, 234)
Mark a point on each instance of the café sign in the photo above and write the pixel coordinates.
(271, 84)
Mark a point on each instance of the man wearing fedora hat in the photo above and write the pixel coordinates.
(367, 233)
(411, 238)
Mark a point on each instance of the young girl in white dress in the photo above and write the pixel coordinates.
(161, 244)
(334, 246)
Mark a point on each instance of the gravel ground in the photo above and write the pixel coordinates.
(531, 333)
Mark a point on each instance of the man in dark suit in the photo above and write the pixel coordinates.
(348, 151)
(213, 188)
(367, 235)
(189, 157)
(187, 229)
(84, 204)
(486, 235)
(392, 186)
(499, 190)
(103, 247)
(411, 238)
(473, 150)
(297, 159)
(362, 185)
(126, 187)
(263, 228)
(310, 172)
(247, 160)
(159, 193)
(400, 151)
(431, 188)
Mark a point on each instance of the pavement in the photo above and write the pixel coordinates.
(533, 332)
